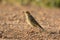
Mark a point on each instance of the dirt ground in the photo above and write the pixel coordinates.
(13, 24)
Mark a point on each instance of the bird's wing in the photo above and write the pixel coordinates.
(34, 21)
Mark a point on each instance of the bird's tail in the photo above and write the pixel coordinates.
(41, 27)
(43, 30)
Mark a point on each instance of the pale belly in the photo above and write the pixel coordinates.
(28, 21)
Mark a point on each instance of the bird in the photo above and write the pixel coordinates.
(31, 20)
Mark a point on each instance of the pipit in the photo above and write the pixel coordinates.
(31, 20)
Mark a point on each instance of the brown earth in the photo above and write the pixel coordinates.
(13, 23)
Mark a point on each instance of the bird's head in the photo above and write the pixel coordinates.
(27, 13)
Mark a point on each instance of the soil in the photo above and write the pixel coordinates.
(13, 24)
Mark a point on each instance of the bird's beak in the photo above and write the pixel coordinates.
(23, 12)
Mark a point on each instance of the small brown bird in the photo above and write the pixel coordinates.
(31, 21)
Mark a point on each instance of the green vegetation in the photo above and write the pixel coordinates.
(49, 3)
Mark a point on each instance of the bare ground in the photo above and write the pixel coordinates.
(13, 23)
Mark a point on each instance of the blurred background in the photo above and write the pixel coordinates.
(43, 3)
(13, 23)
